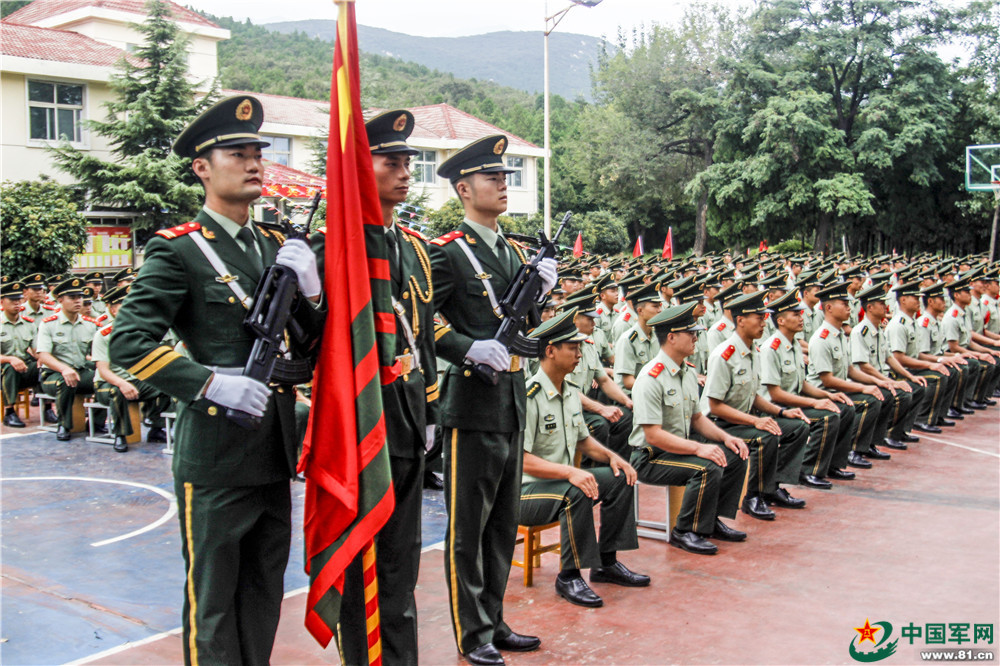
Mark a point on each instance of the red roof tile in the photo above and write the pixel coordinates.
(26, 41)
(290, 110)
(43, 9)
(279, 174)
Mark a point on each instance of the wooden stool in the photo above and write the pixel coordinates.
(134, 416)
(22, 400)
(79, 413)
(531, 537)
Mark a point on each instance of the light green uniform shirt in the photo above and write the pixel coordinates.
(68, 342)
(812, 319)
(930, 338)
(489, 236)
(955, 326)
(100, 353)
(16, 337)
(37, 315)
(666, 394)
(733, 375)
(633, 350)
(605, 320)
(855, 305)
(554, 422)
(589, 369)
(232, 228)
(781, 365)
(828, 352)
(626, 320)
(98, 307)
(869, 345)
(991, 314)
(902, 335)
(717, 333)
(974, 312)
(604, 349)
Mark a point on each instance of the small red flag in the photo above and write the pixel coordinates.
(668, 245)
(637, 250)
(578, 245)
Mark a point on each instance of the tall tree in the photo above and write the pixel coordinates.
(153, 102)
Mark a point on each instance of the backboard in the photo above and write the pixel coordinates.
(982, 167)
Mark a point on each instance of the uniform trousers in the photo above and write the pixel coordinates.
(13, 381)
(113, 397)
(612, 435)
(773, 458)
(53, 383)
(939, 395)
(909, 407)
(830, 436)
(867, 417)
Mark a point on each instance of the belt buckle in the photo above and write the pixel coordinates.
(515, 363)
(405, 364)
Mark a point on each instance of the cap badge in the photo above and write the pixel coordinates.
(245, 110)
(400, 123)
(501, 144)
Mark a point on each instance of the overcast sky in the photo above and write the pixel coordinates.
(454, 18)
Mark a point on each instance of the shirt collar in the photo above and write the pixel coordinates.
(548, 387)
(231, 227)
(668, 363)
(784, 340)
(830, 327)
(737, 341)
(63, 319)
(489, 236)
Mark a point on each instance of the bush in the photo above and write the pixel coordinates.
(790, 246)
(40, 228)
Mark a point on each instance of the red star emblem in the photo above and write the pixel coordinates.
(867, 632)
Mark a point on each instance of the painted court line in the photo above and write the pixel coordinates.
(961, 446)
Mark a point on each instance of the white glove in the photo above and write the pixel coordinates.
(490, 352)
(429, 433)
(295, 254)
(547, 269)
(238, 392)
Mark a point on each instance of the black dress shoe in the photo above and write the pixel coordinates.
(12, 420)
(754, 505)
(855, 459)
(782, 498)
(432, 481)
(955, 414)
(874, 454)
(156, 435)
(576, 591)
(968, 411)
(841, 474)
(924, 427)
(724, 532)
(62, 434)
(692, 542)
(485, 655)
(909, 439)
(34, 401)
(989, 402)
(942, 422)
(814, 481)
(121, 446)
(101, 429)
(517, 643)
(50, 416)
(892, 444)
(619, 574)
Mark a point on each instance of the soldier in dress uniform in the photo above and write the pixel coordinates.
(675, 444)
(116, 387)
(776, 436)
(63, 347)
(552, 486)
(125, 276)
(483, 424)
(34, 296)
(409, 405)
(18, 366)
(635, 347)
(95, 280)
(783, 376)
(232, 483)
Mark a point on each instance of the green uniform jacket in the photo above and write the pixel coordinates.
(177, 288)
(467, 402)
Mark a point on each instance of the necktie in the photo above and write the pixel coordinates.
(246, 235)
(392, 242)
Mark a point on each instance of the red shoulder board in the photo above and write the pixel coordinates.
(628, 315)
(48, 306)
(100, 320)
(775, 343)
(721, 326)
(824, 333)
(179, 230)
(728, 352)
(589, 341)
(925, 322)
(690, 363)
(448, 237)
(412, 232)
(656, 370)
(986, 319)
(52, 318)
(28, 319)
(106, 330)
(22, 308)
(954, 313)
(90, 319)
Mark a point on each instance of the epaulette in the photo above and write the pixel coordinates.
(22, 308)
(728, 352)
(954, 313)
(100, 320)
(925, 322)
(179, 230)
(721, 326)
(864, 328)
(588, 340)
(448, 237)
(572, 383)
(690, 363)
(321, 230)
(628, 315)
(267, 233)
(52, 318)
(412, 232)
(90, 319)
(50, 307)
(656, 370)
(775, 343)
(633, 335)
(106, 330)
(824, 333)
(534, 387)
(28, 319)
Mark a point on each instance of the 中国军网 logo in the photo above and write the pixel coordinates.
(878, 635)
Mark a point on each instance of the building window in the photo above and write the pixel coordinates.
(280, 150)
(424, 167)
(516, 179)
(55, 111)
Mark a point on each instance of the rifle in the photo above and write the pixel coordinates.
(520, 305)
(268, 318)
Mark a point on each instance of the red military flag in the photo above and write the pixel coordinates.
(348, 484)
(637, 251)
(578, 245)
(668, 245)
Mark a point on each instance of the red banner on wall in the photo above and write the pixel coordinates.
(107, 247)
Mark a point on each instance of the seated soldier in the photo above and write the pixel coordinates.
(635, 347)
(63, 347)
(666, 417)
(18, 367)
(116, 387)
(959, 339)
(930, 342)
(775, 436)
(783, 376)
(552, 486)
(34, 296)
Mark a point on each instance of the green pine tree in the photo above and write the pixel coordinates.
(153, 102)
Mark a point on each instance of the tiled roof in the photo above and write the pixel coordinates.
(279, 174)
(43, 9)
(290, 110)
(26, 41)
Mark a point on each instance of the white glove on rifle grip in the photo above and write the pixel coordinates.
(490, 352)
(238, 392)
(547, 269)
(295, 254)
